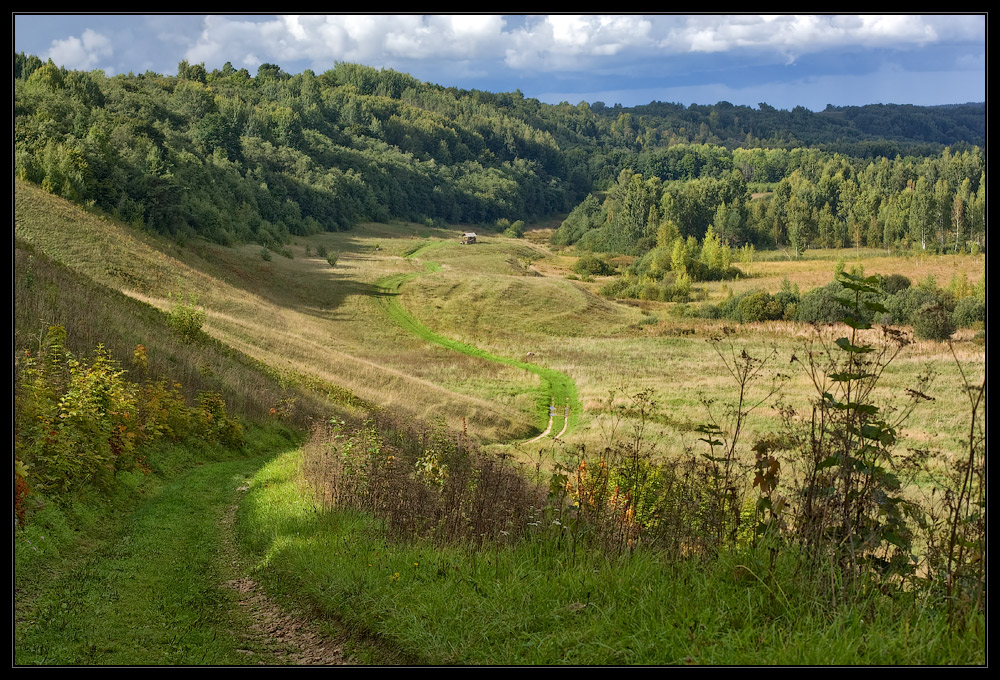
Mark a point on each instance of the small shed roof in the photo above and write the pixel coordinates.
(470, 233)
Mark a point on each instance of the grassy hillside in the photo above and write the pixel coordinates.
(311, 324)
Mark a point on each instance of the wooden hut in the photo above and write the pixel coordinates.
(468, 237)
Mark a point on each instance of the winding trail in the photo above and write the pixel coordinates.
(170, 587)
(557, 387)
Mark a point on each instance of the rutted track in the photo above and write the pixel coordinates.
(557, 387)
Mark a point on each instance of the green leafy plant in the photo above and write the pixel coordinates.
(215, 424)
(933, 322)
(185, 317)
(592, 265)
(76, 420)
(515, 230)
(852, 500)
(970, 312)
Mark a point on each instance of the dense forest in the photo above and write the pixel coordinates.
(805, 198)
(236, 157)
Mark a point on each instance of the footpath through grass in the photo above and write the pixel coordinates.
(142, 582)
(543, 602)
(557, 389)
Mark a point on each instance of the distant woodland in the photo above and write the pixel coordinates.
(238, 157)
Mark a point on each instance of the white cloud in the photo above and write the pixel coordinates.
(561, 42)
(361, 38)
(567, 42)
(81, 53)
(802, 33)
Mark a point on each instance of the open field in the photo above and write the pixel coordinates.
(507, 298)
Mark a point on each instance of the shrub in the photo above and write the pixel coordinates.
(786, 297)
(215, 424)
(969, 312)
(904, 305)
(184, 317)
(616, 288)
(749, 306)
(894, 283)
(422, 481)
(593, 265)
(265, 254)
(77, 422)
(933, 322)
(758, 305)
(822, 305)
(708, 311)
(321, 251)
(331, 259)
(515, 230)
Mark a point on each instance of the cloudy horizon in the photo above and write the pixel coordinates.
(784, 60)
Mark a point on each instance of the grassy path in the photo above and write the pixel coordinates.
(154, 594)
(558, 389)
(166, 588)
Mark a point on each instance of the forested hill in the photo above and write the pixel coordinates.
(240, 157)
(863, 131)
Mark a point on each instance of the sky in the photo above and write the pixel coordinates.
(783, 60)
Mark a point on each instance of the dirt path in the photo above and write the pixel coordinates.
(548, 428)
(565, 422)
(289, 637)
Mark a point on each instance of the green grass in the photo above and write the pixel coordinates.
(557, 388)
(536, 604)
(138, 577)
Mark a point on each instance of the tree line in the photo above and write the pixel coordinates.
(819, 200)
(235, 157)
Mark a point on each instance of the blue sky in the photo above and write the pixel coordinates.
(784, 60)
